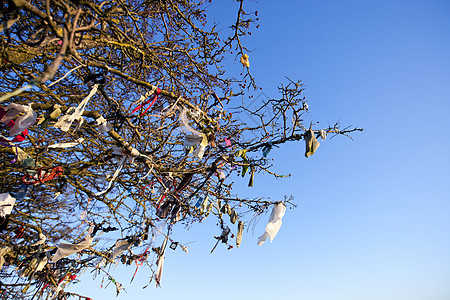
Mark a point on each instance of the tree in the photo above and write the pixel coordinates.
(121, 116)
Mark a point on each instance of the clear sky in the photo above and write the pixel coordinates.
(373, 215)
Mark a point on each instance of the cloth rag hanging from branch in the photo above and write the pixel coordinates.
(274, 225)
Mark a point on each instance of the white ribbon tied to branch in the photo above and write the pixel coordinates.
(160, 262)
(274, 224)
(6, 204)
(65, 250)
(118, 151)
(66, 121)
(66, 145)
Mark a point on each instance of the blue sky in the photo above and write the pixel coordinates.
(373, 214)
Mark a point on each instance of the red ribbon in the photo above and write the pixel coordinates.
(42, 176)
(19, 232)
(152, 98)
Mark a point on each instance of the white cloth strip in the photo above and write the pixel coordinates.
(274, 224)
(66, 121)
(67, 145)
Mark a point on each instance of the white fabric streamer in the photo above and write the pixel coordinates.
(200, 150)
(121, 246)
(6, 204)
(65, 75)
(146, 175)
(65, 250)
(184, 121)
(274, 224)
(118, 151)
(160, 262)
(192, 140)
(67, 145)
(116, 173)
(239, 234)
(66, 121)
(169, 109)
